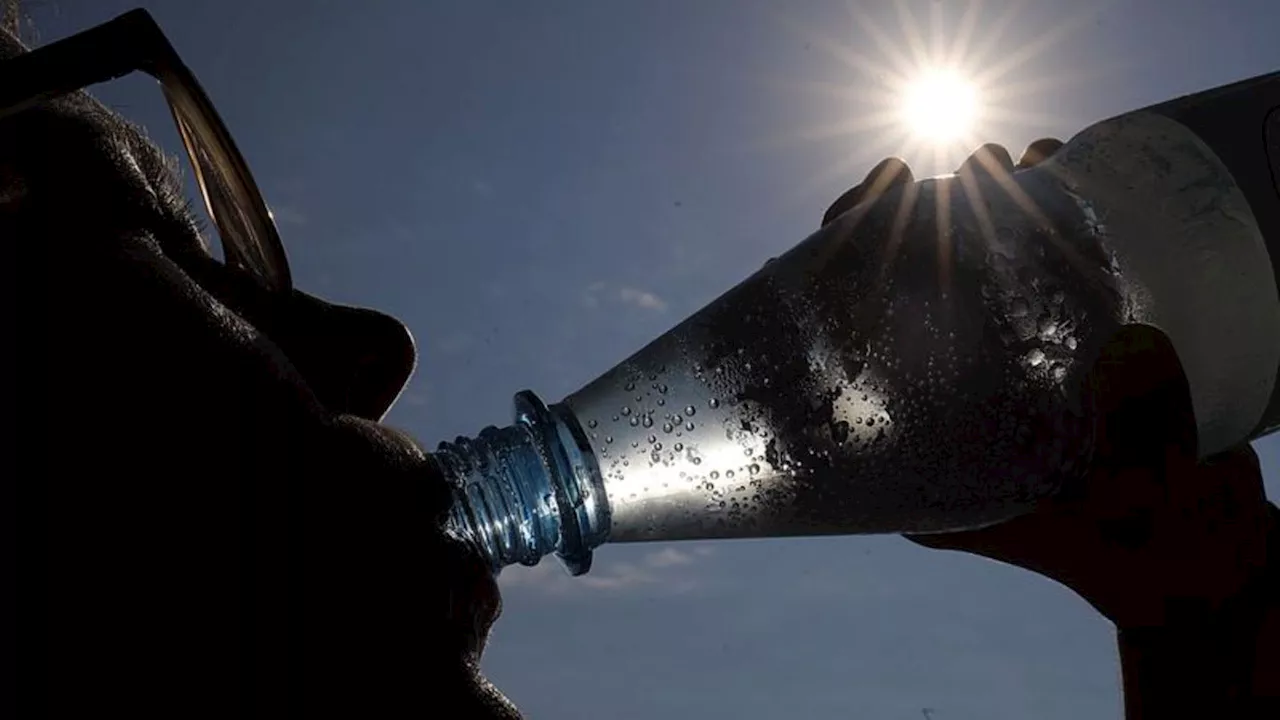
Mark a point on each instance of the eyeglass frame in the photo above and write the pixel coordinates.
(133, 42)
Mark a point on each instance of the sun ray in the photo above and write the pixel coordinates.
(877, 94)
(964, 35)
(942, 219)
(885, 44)
(1021, 55)
(1020, 116)
(851, 169)
(977, 204)
(851, 126)
(852, 58)
(937, 41)
(994, 34)
(906, 204)
(911, 32)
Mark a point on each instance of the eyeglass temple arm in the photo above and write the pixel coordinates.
(116, 48)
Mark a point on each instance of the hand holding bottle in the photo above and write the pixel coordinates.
(1174, 551)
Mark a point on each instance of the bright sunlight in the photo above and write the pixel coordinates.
(930, 90)
(940, 106)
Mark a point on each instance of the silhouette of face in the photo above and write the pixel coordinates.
(214, 519)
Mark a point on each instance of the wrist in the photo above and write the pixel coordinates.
(1210, 659)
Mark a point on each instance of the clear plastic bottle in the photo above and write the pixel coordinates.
(918, 364)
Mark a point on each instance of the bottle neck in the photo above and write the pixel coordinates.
(529, 489)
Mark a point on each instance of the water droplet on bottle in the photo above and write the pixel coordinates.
(630, 386)
(657, 446)
(662, 401)
(688, 426)
(647, 421)
(871, 421)
(666, 427)
(690, 410)
(678, 447)
(626, 410)
(615, 418)
(714, 403)
(728, 474)
(662, 389)
(652, 439)
(608, 438)
(635, 421)
(753, 469)
(697, 460)
(592, 423)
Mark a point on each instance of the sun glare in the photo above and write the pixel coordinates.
(940, 106)
(929, 91)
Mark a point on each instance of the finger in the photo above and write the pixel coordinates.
(1038, 151)
(889, 173)
(990, 159)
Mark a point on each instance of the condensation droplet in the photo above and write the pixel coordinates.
(653, 439)
(753, 469)
(635, 421)
(657, 446)
(728, 474)
(688, 426)
(678, 447)
(647, 421)
(714, 403)
(592, 423)
(608, 438)
(626, 410)
(630, 386)
(662, 401)
(690, 411)
(666, 427)
(715, 475)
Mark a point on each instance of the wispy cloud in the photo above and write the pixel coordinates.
(601, 292)
(659, 569)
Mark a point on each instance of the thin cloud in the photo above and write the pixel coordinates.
(598, 293)
(641, 298)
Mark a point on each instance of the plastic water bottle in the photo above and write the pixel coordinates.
(918, 364)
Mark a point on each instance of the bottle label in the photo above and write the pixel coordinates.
(1191, 258)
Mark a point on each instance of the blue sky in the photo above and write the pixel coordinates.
(538, 189)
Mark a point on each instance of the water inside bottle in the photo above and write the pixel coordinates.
(909, 368)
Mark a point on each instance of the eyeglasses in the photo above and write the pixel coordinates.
(134, 42)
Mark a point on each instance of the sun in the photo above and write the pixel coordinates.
(940, 105)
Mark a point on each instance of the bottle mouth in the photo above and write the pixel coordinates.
(528, 490)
